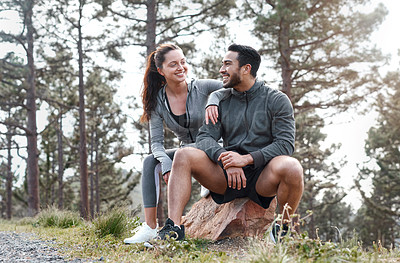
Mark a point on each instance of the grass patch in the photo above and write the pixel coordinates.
(53, 217)
(300, 248)
(115, 222)
(102, 240)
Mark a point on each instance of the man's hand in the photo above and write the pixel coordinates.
(233, 159)
(166, 177)
(236, 178)
(212, 114)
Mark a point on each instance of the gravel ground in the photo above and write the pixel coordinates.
(26, 247)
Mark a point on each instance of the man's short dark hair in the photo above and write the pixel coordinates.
(247, 55)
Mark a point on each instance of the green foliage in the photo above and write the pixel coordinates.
(320, 177)
(322, 52)
(382, 203)
(53, 217)
(115, 222)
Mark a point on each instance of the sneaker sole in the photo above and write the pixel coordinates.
(148, 245)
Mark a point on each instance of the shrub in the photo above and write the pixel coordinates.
(53, 217)
(116, 222)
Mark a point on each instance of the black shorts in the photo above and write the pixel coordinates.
(252, 175)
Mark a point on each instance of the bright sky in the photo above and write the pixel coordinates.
(348, 129)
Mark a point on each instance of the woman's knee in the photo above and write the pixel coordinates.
(149, 160)
(149, 164)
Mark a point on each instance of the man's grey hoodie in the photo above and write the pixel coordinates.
(259, 122)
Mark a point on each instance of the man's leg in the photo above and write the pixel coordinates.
(191, 162)
(283, 177)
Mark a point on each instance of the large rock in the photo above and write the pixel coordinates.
(239, 218)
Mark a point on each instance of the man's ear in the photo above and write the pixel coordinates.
(246, 69)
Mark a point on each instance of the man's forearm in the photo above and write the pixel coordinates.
(248, 159)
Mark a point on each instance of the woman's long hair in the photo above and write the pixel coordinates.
(153, 81)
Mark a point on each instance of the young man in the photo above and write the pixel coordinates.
(257, 126)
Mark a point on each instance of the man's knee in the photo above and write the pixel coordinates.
(185, 155)
(288, 167)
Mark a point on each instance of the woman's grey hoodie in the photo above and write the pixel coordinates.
(198, 93)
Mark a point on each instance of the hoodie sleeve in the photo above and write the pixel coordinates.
(218, 95)
(283, 132)
(157, 142)
(210, 85)
(207, 140)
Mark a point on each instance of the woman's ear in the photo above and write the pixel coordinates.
(160, 71)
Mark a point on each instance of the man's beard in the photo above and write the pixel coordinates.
(234, 80)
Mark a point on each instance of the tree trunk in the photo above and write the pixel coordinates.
(60, 160)
(97, 184)
(82, 127)
(91, 175)
(47, 178)
(53, 182)
(32, 161)
(151, 46)
(9, 177)
(285, 53)
(151, 39)
(151, 26)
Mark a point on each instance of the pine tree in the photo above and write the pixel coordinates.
(106, 143)
(319, 176)
(55, 86)
(322, 52)
(77, 20)
(12, 103)
(25, 38)
(382, 204)
(48, 177)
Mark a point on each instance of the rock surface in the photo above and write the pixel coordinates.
(239, 218)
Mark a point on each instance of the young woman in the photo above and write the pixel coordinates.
(169, 99)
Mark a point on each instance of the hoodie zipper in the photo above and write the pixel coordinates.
(188, 114)
(245, 120)
(188, 121)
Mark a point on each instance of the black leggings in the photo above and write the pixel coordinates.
(150, 179)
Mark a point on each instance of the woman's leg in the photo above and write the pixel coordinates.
(150, 187)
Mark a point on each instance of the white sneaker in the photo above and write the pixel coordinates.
(143, 233)
(204, 192)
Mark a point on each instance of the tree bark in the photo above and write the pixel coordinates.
(91, 175)
(9, 178)
(151, 46)
(97, 184)
(84, 196)
(285, 53)
(47, 177)
(151, 26)
(151, 39)
(32, 161)
(60, 159)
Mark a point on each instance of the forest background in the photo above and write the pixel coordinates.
(71, 73)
